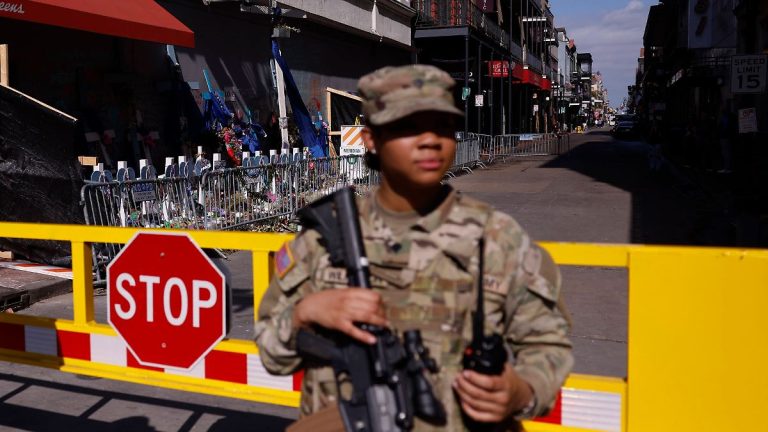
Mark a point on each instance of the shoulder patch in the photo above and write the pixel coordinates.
(284, 261)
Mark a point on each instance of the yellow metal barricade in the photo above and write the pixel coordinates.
(698, 336)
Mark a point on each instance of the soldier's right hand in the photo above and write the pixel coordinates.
(340, 309)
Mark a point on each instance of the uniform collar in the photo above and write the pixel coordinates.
(432, 220)
(427, 223)
(431, 225)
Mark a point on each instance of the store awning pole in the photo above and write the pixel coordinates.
(480, 86)
(466, 84)
(4, 65)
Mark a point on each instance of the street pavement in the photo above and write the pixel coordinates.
(602, 190)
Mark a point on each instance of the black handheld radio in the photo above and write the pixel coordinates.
(485, 354)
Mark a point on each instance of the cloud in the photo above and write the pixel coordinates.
(614, 39)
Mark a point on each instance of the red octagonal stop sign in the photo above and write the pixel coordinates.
(166, 300)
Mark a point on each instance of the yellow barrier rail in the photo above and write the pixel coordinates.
(698, 334)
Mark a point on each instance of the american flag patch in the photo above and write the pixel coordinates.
(284, 261)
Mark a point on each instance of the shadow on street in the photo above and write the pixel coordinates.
(669, 205)
(100, 414)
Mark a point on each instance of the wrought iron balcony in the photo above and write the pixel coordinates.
(458, 13)
(533, 61)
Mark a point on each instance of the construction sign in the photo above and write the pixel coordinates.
(352, 141)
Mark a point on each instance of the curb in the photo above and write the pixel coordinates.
(32, 293)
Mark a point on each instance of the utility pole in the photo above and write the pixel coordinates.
(283, 120)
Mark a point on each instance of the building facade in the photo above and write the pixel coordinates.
(502, 54)
(130, 89)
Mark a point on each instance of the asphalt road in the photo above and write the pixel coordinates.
(602, 190)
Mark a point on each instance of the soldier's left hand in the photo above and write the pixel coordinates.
(492, 398)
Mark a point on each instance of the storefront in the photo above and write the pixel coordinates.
(532, 96)
(104, 64)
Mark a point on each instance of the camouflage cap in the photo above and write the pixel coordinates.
(392, 93)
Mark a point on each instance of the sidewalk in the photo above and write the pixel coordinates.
(20, 289)
(732, 206)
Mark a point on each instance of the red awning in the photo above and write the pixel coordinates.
(134, 19)
(527, 76)
(517, 71)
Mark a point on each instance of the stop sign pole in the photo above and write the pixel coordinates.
(166, 299)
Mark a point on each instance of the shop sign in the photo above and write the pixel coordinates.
(747, 120)
(479, 100)
(16, 8)
(143, 192)
(498, 68)
(748, 73)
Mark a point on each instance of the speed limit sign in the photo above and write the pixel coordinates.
(748, 73)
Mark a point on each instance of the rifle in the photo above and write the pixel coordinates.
(381, 386)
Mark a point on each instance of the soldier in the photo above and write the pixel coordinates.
(421, 238)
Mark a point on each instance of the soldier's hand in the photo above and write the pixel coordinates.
(492, 398)
(340, 309)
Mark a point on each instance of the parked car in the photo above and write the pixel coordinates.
(626, 124)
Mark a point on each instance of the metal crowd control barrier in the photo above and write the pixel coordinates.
(523, 145)
(501, 147)
(319, 177)
(146, 203)
(247, 195)
(467, 153)
(241, 196)
(696, 348)
(263, 189)
(534, 145)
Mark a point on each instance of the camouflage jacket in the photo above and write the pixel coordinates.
(427, 281)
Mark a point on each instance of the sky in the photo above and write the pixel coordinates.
(612, 30)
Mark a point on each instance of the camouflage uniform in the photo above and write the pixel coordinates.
(426, 278)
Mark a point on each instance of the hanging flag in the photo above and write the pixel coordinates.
(312, 139)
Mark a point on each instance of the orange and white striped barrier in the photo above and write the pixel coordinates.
(108, 350)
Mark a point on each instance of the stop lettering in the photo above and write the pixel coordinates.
(166, 300)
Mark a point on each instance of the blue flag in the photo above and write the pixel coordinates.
(314, 140)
